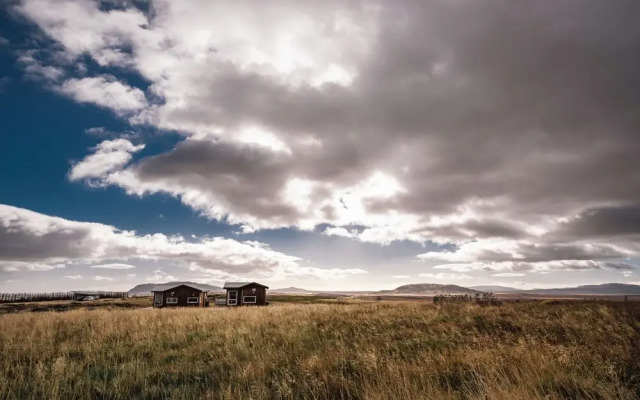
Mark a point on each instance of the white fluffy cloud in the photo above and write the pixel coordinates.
(105, 91)
(33, 241)
(35, 70)
(108, 156)
(339, 231)
(444, 276)
(15, 266)
(114, 266)
(159, 276)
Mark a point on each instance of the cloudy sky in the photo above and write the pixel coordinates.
(321, 144)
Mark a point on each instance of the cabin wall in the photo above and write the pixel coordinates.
(183, 293)
(253, 290)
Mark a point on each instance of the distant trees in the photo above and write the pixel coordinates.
(452, 298)
(25, 297)
(484, 299)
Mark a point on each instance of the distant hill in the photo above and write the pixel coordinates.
(291, 290)
(430, 289)
(145, 288)
(604, 289)
(495, 289)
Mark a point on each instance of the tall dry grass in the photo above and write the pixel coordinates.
(395, 350)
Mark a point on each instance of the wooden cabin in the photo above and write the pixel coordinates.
(172, 295)
(246, 294)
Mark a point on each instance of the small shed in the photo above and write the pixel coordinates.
(180, 295)
(246, 294)
(86, 295)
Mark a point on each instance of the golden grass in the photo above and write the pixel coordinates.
(364, 350)
(68, 305)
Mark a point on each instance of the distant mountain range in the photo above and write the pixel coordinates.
(430, 289)
(145, 288)
(603, 289)
(418, 288)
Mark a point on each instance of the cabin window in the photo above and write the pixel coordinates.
(192, 300)
(172, 300)
(249, 299)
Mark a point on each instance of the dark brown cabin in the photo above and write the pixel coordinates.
(246, 294)
(179, 296)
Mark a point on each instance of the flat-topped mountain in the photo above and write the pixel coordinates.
(495, 288)
(431, 289)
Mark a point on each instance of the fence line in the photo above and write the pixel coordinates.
(24, 297)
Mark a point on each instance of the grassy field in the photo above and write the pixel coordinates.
(347, 350)
(68, 305)
(147, 301)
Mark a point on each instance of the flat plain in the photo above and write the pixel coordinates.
(305, 348)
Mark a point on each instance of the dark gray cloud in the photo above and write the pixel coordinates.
(532, 101)
(243, 178)
(604, 221)
(504, 250)
(21, 244)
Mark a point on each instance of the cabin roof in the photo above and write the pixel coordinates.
(238, 285)
(169, 286)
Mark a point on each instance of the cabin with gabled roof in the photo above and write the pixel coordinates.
(179, 295)
(245, 294)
